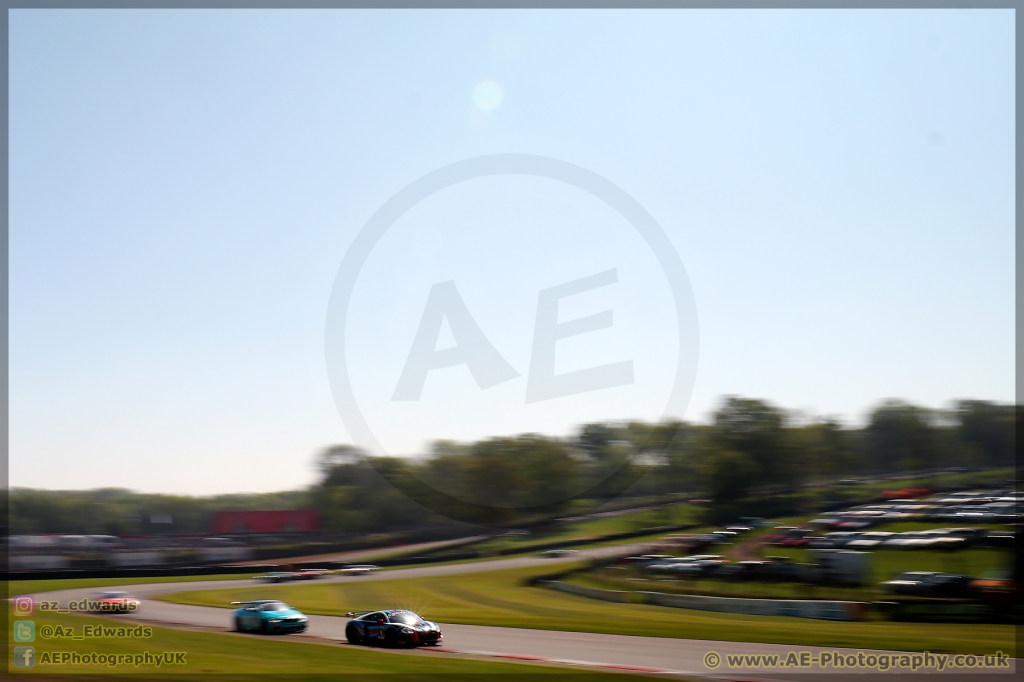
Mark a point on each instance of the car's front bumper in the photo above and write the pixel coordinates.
(287, 626)
(425, 637)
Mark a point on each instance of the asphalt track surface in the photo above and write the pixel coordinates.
(659, 656)
(369, 554)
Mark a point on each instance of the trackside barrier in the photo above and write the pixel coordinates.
(796, 608)
(621, 596)
(60, 569)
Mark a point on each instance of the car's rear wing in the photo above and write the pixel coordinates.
(353, 614)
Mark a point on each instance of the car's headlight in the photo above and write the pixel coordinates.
(407, 631)
(303, 619)
(275, 621)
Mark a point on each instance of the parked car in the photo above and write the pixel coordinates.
(833, 540)
(900, 540)
(698, 566)
(868, 540)
(999, 539)
(744, 570)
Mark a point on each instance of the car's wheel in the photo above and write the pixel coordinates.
(238, 624)
(390, 638)
(352, 634)
(264, 627)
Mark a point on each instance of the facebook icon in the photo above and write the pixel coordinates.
(24, 656)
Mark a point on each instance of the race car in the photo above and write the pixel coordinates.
(268, 616)
(284, 576)
(391, 628)
(276, 577)
(310, 573)
(113, 602)
(357, 569)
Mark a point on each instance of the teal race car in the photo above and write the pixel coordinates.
(268, 616)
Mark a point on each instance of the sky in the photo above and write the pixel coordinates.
(838, 187)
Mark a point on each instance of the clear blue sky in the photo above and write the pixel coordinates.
(184, 185)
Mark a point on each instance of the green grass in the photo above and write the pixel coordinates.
(211, 655)
(963, 481)
(673, 515)
(612, 579)
(501, 598)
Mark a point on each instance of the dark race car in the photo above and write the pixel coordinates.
(391, 628)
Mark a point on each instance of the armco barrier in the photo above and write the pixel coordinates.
(621, 596)
(104, 570)
(34, 562)
(131, 572)
(797, 608)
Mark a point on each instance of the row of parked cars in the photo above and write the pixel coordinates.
(714, 566)
(838, 570)
(928, 584)
(693, 543)
(999, 506)
(933, 538)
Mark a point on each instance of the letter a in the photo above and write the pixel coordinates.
(472, 347)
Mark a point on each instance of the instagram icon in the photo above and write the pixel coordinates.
(24, 605)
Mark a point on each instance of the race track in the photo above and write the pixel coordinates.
(655, 655)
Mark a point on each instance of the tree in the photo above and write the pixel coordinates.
(901, 437)
(731, 476)
(987, 428)
(758, 430)
(826, 449)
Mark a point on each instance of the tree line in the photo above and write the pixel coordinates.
(751, 457)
